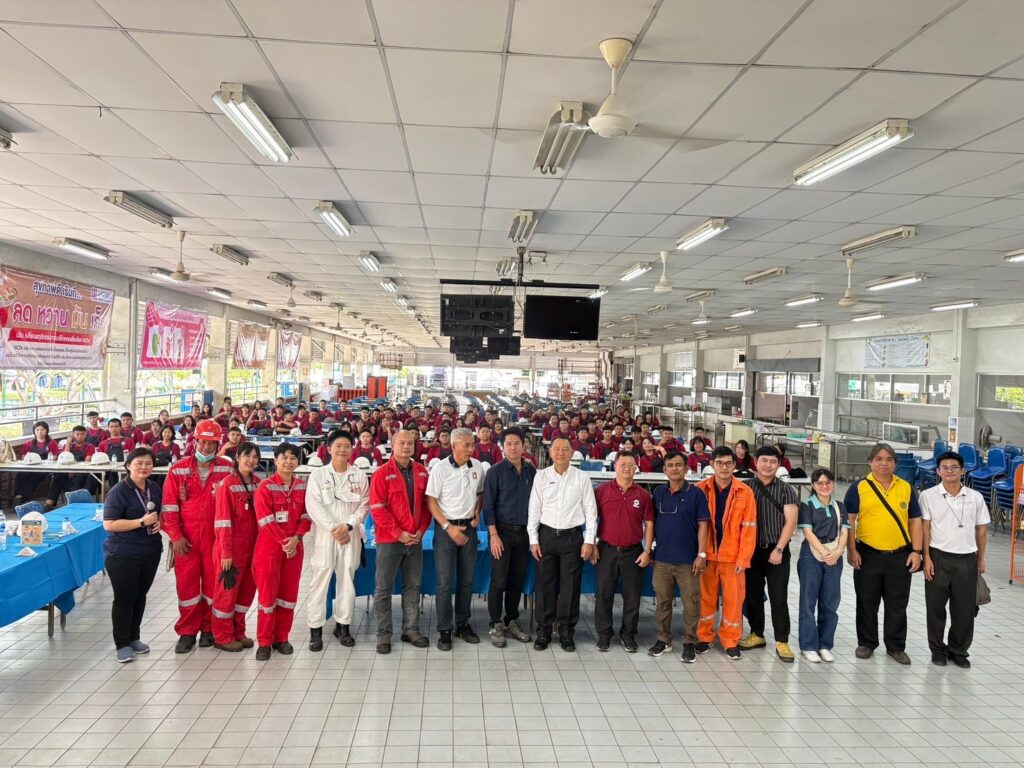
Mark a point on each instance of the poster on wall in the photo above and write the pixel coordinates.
(251, 343)
(903, 351)
(173, 338)
(288, 345)
(48, 322)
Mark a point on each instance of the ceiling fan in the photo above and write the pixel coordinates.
(849, 300)
(179, 274)
(291, 298)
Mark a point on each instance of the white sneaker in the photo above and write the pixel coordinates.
(826, 655)
(812, 656)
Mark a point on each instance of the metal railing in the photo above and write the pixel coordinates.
(16, 420)
(148, 407)
(245, 393)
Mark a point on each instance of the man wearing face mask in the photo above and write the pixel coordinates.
(188, 510)
(337, 500)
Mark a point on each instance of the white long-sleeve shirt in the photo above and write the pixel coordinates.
(333, 499)
(562, 501)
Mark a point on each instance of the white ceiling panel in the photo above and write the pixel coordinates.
(986, 213)
(85, 170)
(325, 21)
(703, 161)
(650, 197)
(534, 86)
(522, 193)
(391, 215)
(207, 206)
(380, 186)
(794, 204)
(184, 135)
(96, 132)
(569, 222)
(445, 87)
(74, 198)
(271, 209)
(977, 111)
(54, 12)
(230, 179)
(668, 98)
(574, 27)
(628, 224)
(515, 153)
(481, 24)
(452, 217)
(926, 209)
(721, 201)
(37, 82)
(945, 171)
(589, 195)
(860, 206)
(15, 169)
(366, 146)
(836, 33)
(626, 160)
(1009, 181)
(162, 175)
(312, 183)
(449, 150)
(211, 17)
(441, 189)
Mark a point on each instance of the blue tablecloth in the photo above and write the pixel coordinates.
(59, 568)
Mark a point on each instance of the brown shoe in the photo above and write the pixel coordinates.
(246, 642)
(233, 647)
(863, 652)
(900, 657)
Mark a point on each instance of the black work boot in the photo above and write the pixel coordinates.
(316, 639)
(344, 636)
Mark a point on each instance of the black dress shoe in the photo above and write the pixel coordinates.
(961, 661)
(567, 644)
(185, 644)
(206, 639)
(316, 639)
(444, 642)
(603, 644)
(939, 659)
(344, 637)
(284, 648)
(466, 633)
(541, 644)
(629, 644)
(263, 653)
(384, 646)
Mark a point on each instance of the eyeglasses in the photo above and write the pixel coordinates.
(949, 468)
(823, 481)
(724, 464)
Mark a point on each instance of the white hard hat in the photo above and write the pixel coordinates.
(612, 456)
(315, 461)
(100, 458)
(782, 472)
(31, 458)
(486, 465)
(66, 457)
(708, 471)
(656, 434)
(296, 432)
(577, 456)
(431, 434)
(432, 462)
(362, 462)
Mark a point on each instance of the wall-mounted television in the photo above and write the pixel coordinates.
(562, 318)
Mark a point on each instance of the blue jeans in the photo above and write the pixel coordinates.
(819, 592)
(448, 555)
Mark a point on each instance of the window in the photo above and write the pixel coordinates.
(651, 377)
(774, 383)
(1003, 392)
(908, 389)
(938, 390)
(849, 385)
(805, 384)
(681, 379)
(877, 387)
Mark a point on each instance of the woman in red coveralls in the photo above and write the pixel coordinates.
(277, 562)
(234, 532)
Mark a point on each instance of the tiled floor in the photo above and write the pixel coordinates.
(66, 702)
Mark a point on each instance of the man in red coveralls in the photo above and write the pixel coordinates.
(398, 505)
(187, 517)
(277, 561)
(234, 530)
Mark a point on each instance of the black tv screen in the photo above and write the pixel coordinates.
(562, 318)
(477, 316)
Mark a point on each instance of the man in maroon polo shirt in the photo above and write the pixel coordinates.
(625, 536)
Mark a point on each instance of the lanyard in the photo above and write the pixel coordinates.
(147, 505)
(963, 511)
(249, 489)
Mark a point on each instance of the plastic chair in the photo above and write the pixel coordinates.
(1012, 452)
(592, 466)
(78, 496)
(940, 447)
(969, 453)
(1002, 490)
(30, 506)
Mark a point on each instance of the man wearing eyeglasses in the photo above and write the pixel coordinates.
(454, 495)
(955, 534)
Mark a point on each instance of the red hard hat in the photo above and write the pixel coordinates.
(208, 429)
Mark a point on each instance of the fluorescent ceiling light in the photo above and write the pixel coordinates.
(809, 324)
(403, 301)
(669, 326)
(743, 313)
(235, 102)
(877, 139)
(256, 303)
(389, 285)
(284, 312)
(598, 293)
(895, 282)
(138, 208)
(640, 268)
(314, 296)
(522, 226)
(733, 328)
(161, 274)
(219, 293)
(969, 304)
(369, 262)
(766, 274)
(280, 279)
(657, 309)
(704, 232)
(6, 140)
(229, 253)
(562, 138)
(862, 318)
(332, 218)
(1015, 256)
(881, 238)
(699, 295)
(81, 248)
(701, 321)
(799, 302)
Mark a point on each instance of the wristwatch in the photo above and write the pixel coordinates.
(349, 526)
(918, 551)
(780, 550)
(703, 554)
(445, 526)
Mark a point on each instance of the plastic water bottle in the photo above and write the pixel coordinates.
(65, 527)
(3, 534)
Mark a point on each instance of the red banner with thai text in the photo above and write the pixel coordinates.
(174, 338)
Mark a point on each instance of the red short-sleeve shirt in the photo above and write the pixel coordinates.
(621, 515)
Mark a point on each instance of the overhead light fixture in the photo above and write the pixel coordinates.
(881, 238)
(743, 313)
(314, 296)
(640, 268)
(704, 232)
(608, 325)
(257, 303)
(969, 304)
(369, 262)
(161, 274)
(669, 326)
(284, 313)
(877, 139)
(332, 218)
(389, 285)
(523, 224)
(338, 306)
(281, 279)
(242, 110)
(701, 295)
(1015, 256)
(219, 293)
(403, 301)
(733, 328)
(895, 282)
(765, 274)
(6, 140)
(862, 318)
(80, 248)
(809, 324)
(136, 207)
(701, 321)
(598, 293)
(562, 138)
(799, 302)
(628, 318)
(657, 309)
(229, 253)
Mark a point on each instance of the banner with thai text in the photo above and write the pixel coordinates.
(251, 343)
(174, 338)
(288, 345)
(49, 322)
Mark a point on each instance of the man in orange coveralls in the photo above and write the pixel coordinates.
(731, 541)
(187, 518)
(277, 561)
(234, 530)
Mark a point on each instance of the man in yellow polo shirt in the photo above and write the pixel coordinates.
(885, 550)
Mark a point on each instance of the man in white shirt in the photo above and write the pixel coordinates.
(337, 500)
(454, 494)
(561, 502)
(955, 519)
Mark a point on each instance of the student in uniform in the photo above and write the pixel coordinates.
(26, 483)
(94, 433)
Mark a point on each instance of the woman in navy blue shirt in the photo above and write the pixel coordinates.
(131, 518)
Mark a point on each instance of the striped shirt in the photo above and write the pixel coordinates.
(770, 518)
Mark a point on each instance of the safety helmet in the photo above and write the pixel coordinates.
(208, 429)
(315, 461)
(100, 458)
(362, 462)
(67, 457)
(31, 458)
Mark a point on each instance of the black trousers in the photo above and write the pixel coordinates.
(508, 574)
(131, 578)
(955, 583)
(27, 483)
(559, 579)
(760, 574)
(882, 577)
(614, 564)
